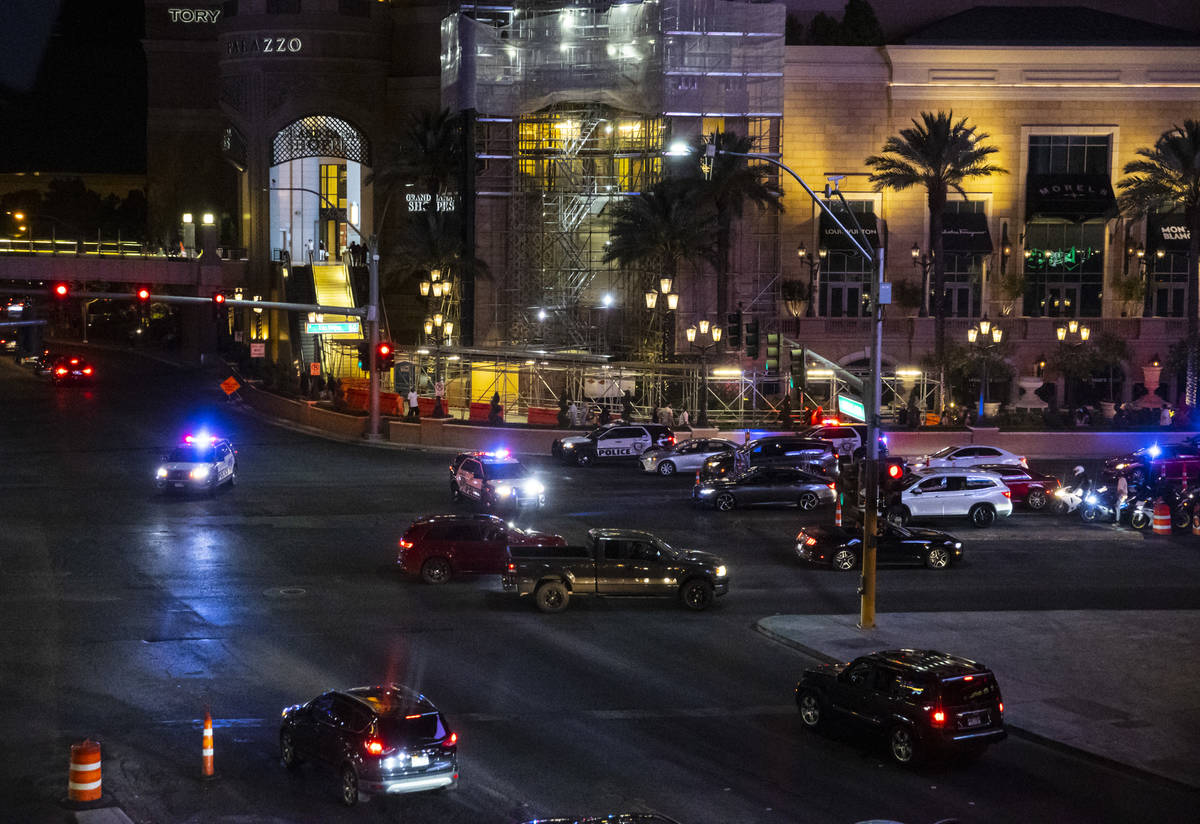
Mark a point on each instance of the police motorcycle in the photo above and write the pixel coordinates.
(1098, 504)
(1069, 497)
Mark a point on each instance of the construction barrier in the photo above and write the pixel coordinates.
(481, 411)
(1162, 519)
(206, 747)
(542, 416)
(83, 783)
(837, 509)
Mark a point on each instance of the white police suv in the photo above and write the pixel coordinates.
(201, 462)
(615, 442)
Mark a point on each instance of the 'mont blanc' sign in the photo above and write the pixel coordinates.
(420, 203)
(193, 15)
(263, 45)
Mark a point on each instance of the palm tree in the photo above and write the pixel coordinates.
(939, 154)
(1168, 176)
(661, 227)
(732, 183)
(427, 154)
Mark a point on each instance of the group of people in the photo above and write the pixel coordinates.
(572, 413)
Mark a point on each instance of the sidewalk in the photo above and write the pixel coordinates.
(1120, 685)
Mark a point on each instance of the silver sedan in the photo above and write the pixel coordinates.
(686, 456)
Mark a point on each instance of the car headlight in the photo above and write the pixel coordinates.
(199, 473)
(1121, 465)
(534, 488)
(568, 446)
(707, 491)
(161, 473)
(721, 571)
(958, 544)
(1060, 493)
(504, 490)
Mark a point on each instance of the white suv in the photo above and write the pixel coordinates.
(936, 493)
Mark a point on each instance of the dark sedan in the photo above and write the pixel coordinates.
(841, 547)
(1033, 489)
(766, 485)
(71, 369)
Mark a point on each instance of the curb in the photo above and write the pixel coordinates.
(1019, 732)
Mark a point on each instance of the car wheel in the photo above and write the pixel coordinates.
(1036, 499)
(696, 594)
(551, 596)
(233, 478)
(898, 515)
(455, 494)
(287, 751)
(982, 515)
(808, 501)
(583, 459)
(937, 558)
(435, 571)
(902, 744)
(666, 468)
(726, 502)
(845, 559)
(349, 785)
(809, 705)
(1139, 520)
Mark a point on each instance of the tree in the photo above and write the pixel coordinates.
(662, 227)
(1164, 177)
(732, 183)
(938, 153)
(860, 26)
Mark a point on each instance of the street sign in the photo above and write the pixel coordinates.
(258, 350)
(230, 385)
(314, 369)
(439, 389)
(349, 327)
(851, 407)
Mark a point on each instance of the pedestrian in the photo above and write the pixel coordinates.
(668, 416)
(495, 411)
(685, 421)
(1122, 497)
(573, 414)
(308, 243)
(785, 412)
(655, 414)
(627, 407)
(414, 407)
(564, 416)
(605, 415)
(1164, 417)
(322, 253)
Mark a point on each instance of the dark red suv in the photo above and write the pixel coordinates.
(441, 546)
(1027, 487)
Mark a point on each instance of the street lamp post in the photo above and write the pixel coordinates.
(814, 275)
(712, 331)
(1071, 336)
(372, 318)
(924, 261)
(439, 327)
(984, 336)
(670, 302)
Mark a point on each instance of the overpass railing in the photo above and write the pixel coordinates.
(101, 247)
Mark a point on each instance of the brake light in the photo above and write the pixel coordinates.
(810, 541)
(74, 361)
(411, 717)
(62, 370)
(671, 440)
(832, 486)
(968, 677)
(938, 718)
(1006, 492)
(512, 567)
(1001, 706)
(87, 370)
(1024, 462)
(451, 740)
(405, 544)
(374, 747)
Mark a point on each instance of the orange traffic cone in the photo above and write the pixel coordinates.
(837, 511)
(206, 749)
(83, 782)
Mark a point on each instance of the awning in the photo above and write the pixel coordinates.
(966, 233)
(1167, 231)
(1069, 197)
(835, 239)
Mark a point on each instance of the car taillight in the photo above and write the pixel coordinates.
(405, 544)
(512, 567)
(87, 370)
(373, 747)
(451, 740)
(810, 541)
(60, 371)
(1006, 492)
(938, 718)
(1024, 462)
(1001, 706)
(832, 486)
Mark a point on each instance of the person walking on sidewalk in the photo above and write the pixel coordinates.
(1122, 497)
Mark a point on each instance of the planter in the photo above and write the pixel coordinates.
(991, 409)
(1109, 409)
(1029, 385)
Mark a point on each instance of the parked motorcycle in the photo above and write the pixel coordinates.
(1142, 512)
(1066, 499)
(1098, 505)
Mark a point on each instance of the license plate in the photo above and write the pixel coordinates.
(420, 760)
(178, 484)
(975, 720)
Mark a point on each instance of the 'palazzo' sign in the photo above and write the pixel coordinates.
(263, 45)
(420, 203)
(193, 15)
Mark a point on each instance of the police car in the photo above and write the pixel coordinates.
(496, 480)
(615, 442)
(200, 462)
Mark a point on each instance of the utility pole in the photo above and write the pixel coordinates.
(373, 433)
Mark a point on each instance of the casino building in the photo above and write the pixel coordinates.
(274, 114)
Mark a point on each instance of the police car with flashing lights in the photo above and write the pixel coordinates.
(201, 462)
(615, 442)
(496, 480)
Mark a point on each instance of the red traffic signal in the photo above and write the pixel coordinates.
(218, 298)
(385, 355)
(61, 290)
(894, 470)
(143, 294)
(384, 349)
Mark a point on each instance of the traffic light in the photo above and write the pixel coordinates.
(733, 322)
(772, 363)
(220, 310)
(385, 356)
(364, 356)
(752, 340)
(891, 472)
(61, 291)
(142, 294)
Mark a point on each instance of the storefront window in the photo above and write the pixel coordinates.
(964, 272)
(1167, 291)
(1068, 154)
(1064, 269)
(846, 276)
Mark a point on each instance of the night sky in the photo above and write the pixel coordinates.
(86, 109)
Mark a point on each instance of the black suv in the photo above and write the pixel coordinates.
(385, 739)
(921, 701)
(786, 451)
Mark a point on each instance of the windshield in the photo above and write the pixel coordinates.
(905, 483)
(192, 454)
(943, 452)
(506, 471)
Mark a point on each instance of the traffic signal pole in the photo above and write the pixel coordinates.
(373, 339)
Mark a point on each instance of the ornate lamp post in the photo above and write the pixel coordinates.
(924, 261)
(670, 302)
(814, 275)
(984, 337)
(706, 329)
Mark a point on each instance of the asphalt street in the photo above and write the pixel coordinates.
(123, 614)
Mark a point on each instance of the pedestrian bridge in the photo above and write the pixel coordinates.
(111, 263)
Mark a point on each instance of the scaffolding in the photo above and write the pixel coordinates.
(574, 104)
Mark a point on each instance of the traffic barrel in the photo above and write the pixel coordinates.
(206, 749)
(1162, 519)
(83, 783)
(837, 510)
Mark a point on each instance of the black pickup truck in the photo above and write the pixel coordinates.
(614, 562)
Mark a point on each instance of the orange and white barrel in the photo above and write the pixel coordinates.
(837, 509)
(83, 784)
(206, 747)
(1162, 519)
